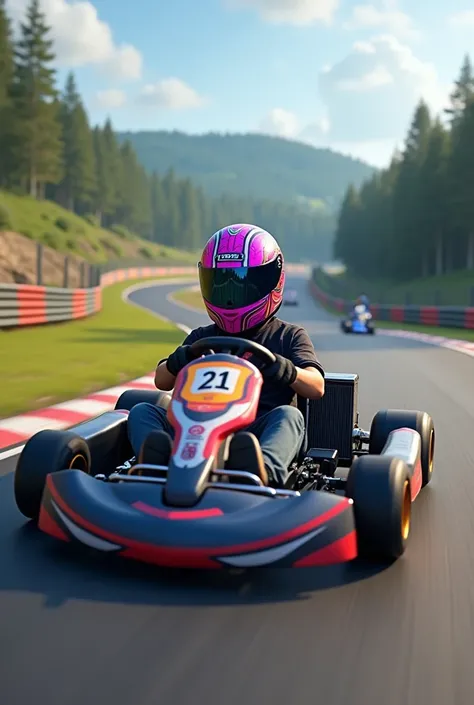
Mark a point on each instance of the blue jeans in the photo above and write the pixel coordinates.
(280, 432)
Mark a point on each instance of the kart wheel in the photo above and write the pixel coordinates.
(132, 397)
(380, 489)
(46, 452)
(386, 421)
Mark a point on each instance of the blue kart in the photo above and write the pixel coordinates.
(360, 321)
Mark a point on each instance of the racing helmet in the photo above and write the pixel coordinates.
(242, 276)
(364, 299)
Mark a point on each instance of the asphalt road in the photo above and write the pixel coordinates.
(76, 631)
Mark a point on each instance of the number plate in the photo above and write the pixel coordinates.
(215, 383)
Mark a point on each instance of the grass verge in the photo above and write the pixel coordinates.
(48, 364)
(191, 297)
(46, 222)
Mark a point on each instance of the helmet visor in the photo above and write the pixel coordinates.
(237, 287)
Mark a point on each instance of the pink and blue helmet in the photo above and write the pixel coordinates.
(242, 276)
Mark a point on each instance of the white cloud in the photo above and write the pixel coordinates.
(372, 92)
(376, 78)
(292, 12)
(280, 123)
(171, 94)
(462, 20)
(81, 38)
(283, 123)
(111, 98)
(387, 17)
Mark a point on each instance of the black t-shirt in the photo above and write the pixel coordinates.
(281, 338)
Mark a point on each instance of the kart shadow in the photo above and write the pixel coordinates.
(34, 563)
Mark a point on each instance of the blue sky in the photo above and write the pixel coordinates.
(339, 73)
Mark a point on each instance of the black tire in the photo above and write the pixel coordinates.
(46, 452)
(132, 397)
(387, 420)
(380, 489)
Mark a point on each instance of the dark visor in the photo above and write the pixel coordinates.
(237, 287)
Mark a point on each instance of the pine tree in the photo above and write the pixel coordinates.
(190, 235)
(134, 198)
(172, 220)
(108, 173)
(37, 145)
(6, 74)
(463, 92)
(461, 178)
(78, 185)
(6, 55)
(433, 222)
(407, 214)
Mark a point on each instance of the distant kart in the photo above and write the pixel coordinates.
(197, 512)
(290, 298)
(360, 322)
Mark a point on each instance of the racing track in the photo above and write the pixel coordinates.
(76, 631)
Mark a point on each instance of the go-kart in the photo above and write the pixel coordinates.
(197, 512)
(360, 321)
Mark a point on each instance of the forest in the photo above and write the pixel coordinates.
(416, 218)
(50, 150)
(281, 169)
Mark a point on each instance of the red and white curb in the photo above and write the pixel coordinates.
(462, 346)
(18, 429)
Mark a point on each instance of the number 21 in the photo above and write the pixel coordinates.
(211, 376)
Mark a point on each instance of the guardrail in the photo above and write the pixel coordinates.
(436, 316)
(29, 305)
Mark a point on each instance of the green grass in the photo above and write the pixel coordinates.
(46, 222)
(447, 290)
(48, 364)
(191, 297)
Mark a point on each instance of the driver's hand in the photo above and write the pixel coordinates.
(179, 359)
(282, 372)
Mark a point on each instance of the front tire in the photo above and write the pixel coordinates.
(386, 421)
(380, 489)
(46, 452)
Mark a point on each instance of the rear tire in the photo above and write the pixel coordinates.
(380, 489)
(46, 452)
(132, 397)
(386, 421)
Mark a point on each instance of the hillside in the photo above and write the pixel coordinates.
(25, 220)
(251, 165)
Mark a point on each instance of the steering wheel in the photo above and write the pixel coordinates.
(233, 346)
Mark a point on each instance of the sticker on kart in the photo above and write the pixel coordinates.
(215, 384)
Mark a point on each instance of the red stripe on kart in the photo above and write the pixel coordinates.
(47, 524)
(344, 549)
(185, 554)
(165, 514)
